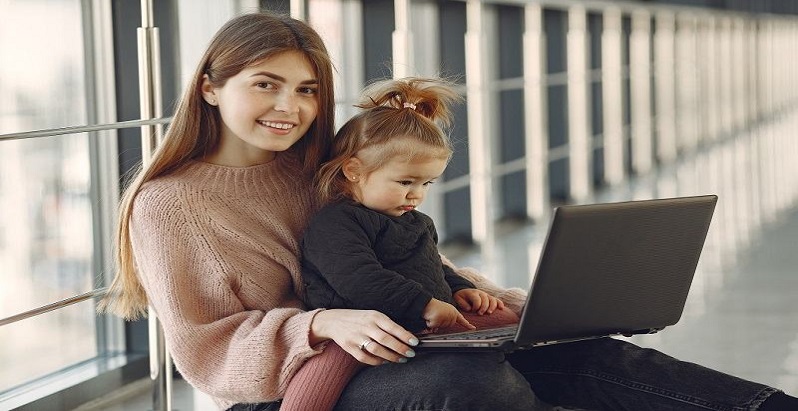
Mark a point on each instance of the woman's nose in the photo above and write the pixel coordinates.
(287, 103)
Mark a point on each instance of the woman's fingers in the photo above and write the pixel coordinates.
(363, 353)
(387, 348)
(395, 343)
(394, 329)
(373, 338)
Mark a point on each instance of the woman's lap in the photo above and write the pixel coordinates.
(441, 381)
(596, 374)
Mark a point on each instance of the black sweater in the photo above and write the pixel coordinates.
(353, 257)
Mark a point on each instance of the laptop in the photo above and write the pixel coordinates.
(606, 269)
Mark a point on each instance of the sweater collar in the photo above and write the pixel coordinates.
(240, 181)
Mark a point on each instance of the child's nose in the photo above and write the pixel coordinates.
(415, 193)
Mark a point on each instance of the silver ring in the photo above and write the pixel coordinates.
(365, 344)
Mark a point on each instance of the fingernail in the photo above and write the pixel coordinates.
(410, 353)
(413, 341)
(402, 360)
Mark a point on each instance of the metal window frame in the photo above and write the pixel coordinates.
(98, 54)
(109, 339)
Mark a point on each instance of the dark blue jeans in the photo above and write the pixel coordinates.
(603, 374)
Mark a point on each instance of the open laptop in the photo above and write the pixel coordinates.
(606, 269)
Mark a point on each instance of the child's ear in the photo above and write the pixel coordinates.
(352, 168)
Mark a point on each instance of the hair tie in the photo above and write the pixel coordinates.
(409, 105)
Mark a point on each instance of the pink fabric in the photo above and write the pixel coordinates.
(321, 380)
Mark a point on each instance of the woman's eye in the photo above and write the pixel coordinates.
(264, 84)
(307, 90)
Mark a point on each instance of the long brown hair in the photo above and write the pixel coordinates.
(195, 129)
(396, 116)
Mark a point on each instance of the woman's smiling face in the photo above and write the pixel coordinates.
(265, 108)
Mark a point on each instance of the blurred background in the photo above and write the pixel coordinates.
(567, 102)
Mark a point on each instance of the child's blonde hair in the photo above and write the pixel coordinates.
(403, 117)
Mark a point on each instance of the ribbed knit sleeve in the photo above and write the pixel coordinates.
(218, 259)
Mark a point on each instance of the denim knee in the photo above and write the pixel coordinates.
(441, 381)
(487, 382)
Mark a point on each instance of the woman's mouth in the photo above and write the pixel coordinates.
(277, 125)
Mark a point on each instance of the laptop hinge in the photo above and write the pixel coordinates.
(642, 331)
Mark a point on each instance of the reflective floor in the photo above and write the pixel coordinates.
(741, 315)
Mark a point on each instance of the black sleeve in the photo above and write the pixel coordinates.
(339, 246)
(455, 281)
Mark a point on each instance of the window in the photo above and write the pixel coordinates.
(46, 227)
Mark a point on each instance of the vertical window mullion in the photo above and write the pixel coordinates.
(578, 109)
(665, 86)
(640, 73)
(535, 110)
(104, 191)
(480, 153)
(612, 94)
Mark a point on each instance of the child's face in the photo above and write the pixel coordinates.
(399, 185)
(265, 108)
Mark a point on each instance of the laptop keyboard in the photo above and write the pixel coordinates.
(478, 334)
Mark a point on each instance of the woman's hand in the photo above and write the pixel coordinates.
(369, 336)
(440, 314)
(477, 301)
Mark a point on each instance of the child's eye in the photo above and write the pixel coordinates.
(405, 182)
(429, 182)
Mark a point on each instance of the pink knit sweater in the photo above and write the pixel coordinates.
(217, 252)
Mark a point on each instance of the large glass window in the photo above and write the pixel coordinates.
(46, 240)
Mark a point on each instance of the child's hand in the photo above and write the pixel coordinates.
(477, 301)
(440, 314)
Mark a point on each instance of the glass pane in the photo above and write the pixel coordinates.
(47, 343)
(46, 241)
(42, 81)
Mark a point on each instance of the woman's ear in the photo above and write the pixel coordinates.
(352, 169)
(208, 92)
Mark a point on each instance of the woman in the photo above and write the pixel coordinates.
(208, 235)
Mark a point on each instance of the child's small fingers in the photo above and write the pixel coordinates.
(462, 321)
